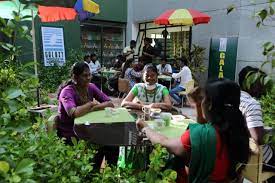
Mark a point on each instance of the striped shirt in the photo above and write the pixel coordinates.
(252, 111)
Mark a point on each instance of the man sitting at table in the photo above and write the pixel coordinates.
(185, 76)
(149, 94)
(94, 65)
(75, 99)
(94, 70)
(164, 68)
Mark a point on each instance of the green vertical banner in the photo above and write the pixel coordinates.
(222, 58)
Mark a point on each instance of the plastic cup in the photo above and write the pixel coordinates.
(108, 111)
(166, 117)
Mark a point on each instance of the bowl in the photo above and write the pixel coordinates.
(156, 110)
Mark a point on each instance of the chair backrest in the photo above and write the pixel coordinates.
(123, 85)
(253, 170)
(189, 86)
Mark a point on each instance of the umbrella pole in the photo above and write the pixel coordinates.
(165, 42)
(35, 59)
(190, 43)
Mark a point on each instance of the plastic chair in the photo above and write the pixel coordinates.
(123, 86)
(188, 87)
(254, 170)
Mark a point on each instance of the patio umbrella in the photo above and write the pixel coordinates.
(183, 17)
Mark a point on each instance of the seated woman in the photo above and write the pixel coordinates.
(76, 98)
(194, 98)
(130, 72)
(212, 151)
(149, 93)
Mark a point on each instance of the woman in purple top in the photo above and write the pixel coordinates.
(76, 99)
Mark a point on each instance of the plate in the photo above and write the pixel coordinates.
(155, 115)
(178, 117)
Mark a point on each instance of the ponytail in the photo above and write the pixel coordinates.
(224, 113)
(235, 134)
(63, 85)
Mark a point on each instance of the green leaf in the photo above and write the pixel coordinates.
(6, 117)
(262, 14)
(2, 150)
(271, 10)
(266, 80)
(13, 105)
(25, 166)
(230, 8)
(264, 63)
(258, 24)
(74, 141)
(273, 63)
(4, 166)
(14, 93)
(15, 178)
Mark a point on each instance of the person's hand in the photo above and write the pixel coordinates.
(153, 105)
(141, 124)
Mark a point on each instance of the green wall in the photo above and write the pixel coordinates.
(112, 10)
(71, 35)
(71, 38)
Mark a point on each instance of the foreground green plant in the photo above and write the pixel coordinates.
(36, 156)
(156, 172)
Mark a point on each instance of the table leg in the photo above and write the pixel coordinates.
(101, 75)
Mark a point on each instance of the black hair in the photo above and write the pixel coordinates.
(77, 69)
(151, 68)
(149, 40)
(133, 42)
(184, 60)
(126, 66)
(257, 88)
(243, 74)
(164, 58)
(93, 55)
(223, 99)
(86, 57)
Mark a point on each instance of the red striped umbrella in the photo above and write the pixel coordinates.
(182, 17)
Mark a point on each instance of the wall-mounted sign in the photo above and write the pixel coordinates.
(53, 45)
(222, 58)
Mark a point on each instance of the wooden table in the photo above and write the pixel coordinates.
(117, 129)
(166, 78)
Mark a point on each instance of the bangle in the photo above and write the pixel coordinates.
(144, 129)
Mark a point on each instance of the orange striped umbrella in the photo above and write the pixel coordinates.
(182, 17)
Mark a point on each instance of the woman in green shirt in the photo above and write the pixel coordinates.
(149, 93)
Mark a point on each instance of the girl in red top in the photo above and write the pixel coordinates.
(225, 138)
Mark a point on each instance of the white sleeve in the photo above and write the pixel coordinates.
(169, 68)
(177, 75)
(125, 50)
(158, 68)
(253, 114)
(98, 65)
